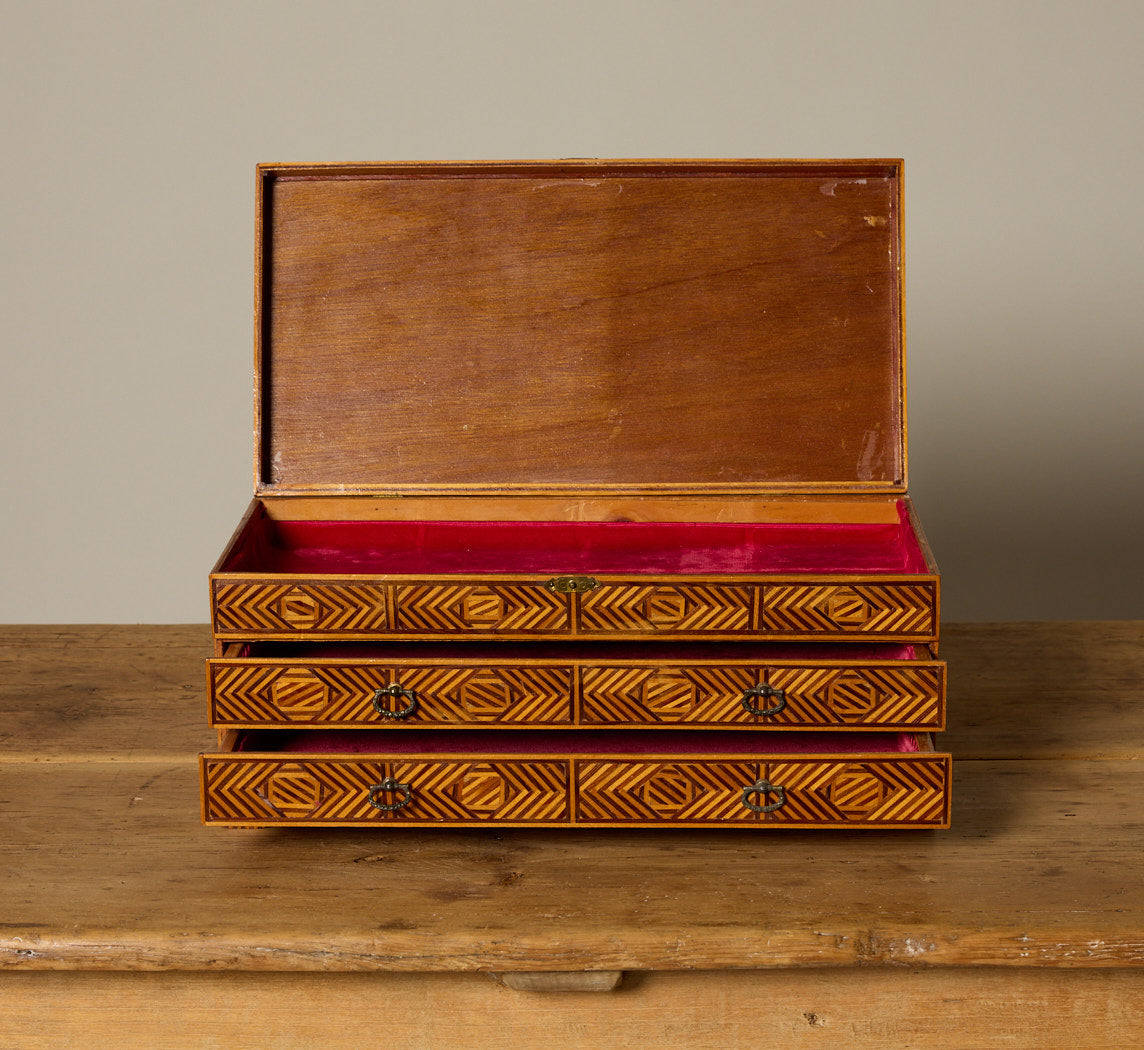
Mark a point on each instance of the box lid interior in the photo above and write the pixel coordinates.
(577, 327)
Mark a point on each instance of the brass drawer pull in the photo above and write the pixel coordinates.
(390, 784)
(767, 691)
(394, 690)
(764, 788)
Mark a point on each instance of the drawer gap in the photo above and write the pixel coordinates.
(530, 743)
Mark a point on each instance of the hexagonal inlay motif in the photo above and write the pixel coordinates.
(482, 606)
(482, 790)
(668, 790)
(847, 608)
(299, 694)
(665, 607)
(292, 790)
(669, 694)
(299, 609)
(856, 791)
(485, 695)
(851, 696)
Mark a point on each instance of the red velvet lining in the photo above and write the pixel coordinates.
(558, 547)
(584, 652)
(533, 742)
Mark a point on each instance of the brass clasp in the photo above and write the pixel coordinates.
(572, 584)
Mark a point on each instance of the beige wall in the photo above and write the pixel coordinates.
(130, 132)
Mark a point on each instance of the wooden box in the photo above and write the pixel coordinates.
(580, 497)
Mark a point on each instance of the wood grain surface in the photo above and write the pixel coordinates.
(864, 1008)
(1021, 926)
(1041, 867)
(665, 327)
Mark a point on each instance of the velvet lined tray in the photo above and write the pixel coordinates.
(420, 580)
(561, 547)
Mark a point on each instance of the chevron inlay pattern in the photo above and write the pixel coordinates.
(642, 695)
(541, 695)
(251, 609)
(621, 791)
(666, 608)
(336, 791)
(880, 609)
(814, 696)
(342, 694)
(867, 696)
(875, 792)
(446, 608)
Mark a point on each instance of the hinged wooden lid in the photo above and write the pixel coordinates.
(579, 327)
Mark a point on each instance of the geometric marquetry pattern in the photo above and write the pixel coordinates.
(331, 694)
(873, 792)
(867, 793)
(446, 608)
(491, 695)
(879, 609)
(814, 696)
(668, 608)
(272, 608)
(857, 696)
(657, 792)
(651, 695)
(337, 791)
(300, 695)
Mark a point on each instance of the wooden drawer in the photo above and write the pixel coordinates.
(750, 687)
(902, 608)
(542, 778)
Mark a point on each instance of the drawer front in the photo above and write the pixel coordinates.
(253, 609)
(779, 697)
(861, 791)
(666, 609)
(313, 790)
(617, 791)
(352, 608)
(896, 608)
(447, 607)
(869, 792)
(251, 693)
(901, 610)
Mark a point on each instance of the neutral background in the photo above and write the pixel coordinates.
(131, 130)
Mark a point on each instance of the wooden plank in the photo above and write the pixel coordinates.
(1045, 690)
(104, 865)
(117, 693)
(868, 509)
(17, 637)
(860, 1009)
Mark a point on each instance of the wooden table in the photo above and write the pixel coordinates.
(124, 923)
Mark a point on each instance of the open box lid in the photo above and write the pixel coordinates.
(576, 327)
